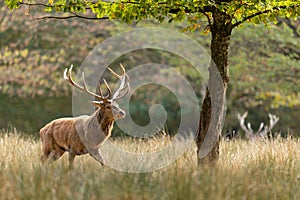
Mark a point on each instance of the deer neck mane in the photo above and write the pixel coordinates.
(99, 122)
(105, 122)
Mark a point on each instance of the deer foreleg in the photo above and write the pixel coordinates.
(97, 155)
(71, 158)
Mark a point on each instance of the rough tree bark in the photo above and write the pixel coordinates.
(212, 113)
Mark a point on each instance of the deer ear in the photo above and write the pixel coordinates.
(98, 103)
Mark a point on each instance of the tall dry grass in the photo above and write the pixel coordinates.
(246, 170)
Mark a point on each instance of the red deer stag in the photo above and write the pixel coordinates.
(84, 134)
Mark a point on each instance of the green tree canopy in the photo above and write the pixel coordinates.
(171, 10)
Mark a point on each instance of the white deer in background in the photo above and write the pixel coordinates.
(262, 131)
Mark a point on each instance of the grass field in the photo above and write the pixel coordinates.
(246, 170)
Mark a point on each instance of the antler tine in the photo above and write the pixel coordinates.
(245, 115)
(241, 118)
(114, 73)
(99, 88)
(87, 90)
(248, 130)
(127, 89)
(65, 74)
(123, 68)
(68, 78)
(108, 89)
(124, 85)
(261, 126)
(273, 121)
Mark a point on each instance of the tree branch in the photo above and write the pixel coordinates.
(209, 21)
(202, 10)
(46, 5)
(36, 4)
(288, 22)
(261, 13)
(74, 15)
(175, 10)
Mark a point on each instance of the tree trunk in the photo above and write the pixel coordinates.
(212, 113)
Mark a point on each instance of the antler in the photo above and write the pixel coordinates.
(262, 130)
(248, 130)
(273, 121)
(124, 86)
(68, 78)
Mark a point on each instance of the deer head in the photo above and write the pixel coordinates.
(107, 103)
(262, 130)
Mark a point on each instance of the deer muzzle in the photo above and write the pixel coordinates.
(119, 114)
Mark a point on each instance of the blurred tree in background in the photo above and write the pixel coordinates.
(34, 53)
(265, 70)
(265, 67)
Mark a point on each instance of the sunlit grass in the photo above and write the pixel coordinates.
(246, 170)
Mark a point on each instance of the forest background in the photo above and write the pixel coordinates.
(265, 70)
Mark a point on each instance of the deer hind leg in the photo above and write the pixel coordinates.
(53, 155)
(51, 150)
(57, 154)
(46, 153)
(44, 157)
(46, 147)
